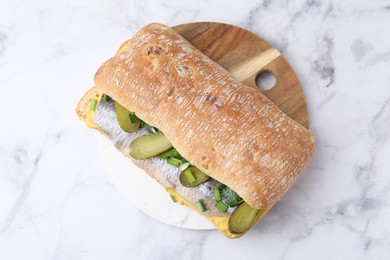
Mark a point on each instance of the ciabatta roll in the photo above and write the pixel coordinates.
(231, 132)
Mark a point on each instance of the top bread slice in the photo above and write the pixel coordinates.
(230, 131)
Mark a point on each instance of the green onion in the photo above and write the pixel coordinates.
(220, 206)
(190, 176)
(182, 158)
(217, 194)
(220, 186)
(133, 118)
(106, 97)
(174, 162)
(202, 207)
(184, 166)
(173, 199)
(92, 105)
(230, 197)
(145, 126)
(168, 154)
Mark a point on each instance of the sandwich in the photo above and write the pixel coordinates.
(216, 145)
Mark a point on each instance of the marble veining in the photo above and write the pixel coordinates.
(57, 200)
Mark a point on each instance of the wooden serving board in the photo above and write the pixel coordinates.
(245, 55)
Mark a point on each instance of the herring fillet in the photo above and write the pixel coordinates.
(165, 174)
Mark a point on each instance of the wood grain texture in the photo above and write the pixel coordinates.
(245, 55)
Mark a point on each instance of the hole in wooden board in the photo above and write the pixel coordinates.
(265, 80)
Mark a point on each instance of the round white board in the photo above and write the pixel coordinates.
(145, 193)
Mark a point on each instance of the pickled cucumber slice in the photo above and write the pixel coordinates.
(147, 146)
(123, 116)
(200, 177)
(242, 218)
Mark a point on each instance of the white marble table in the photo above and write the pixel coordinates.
(57, 200)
